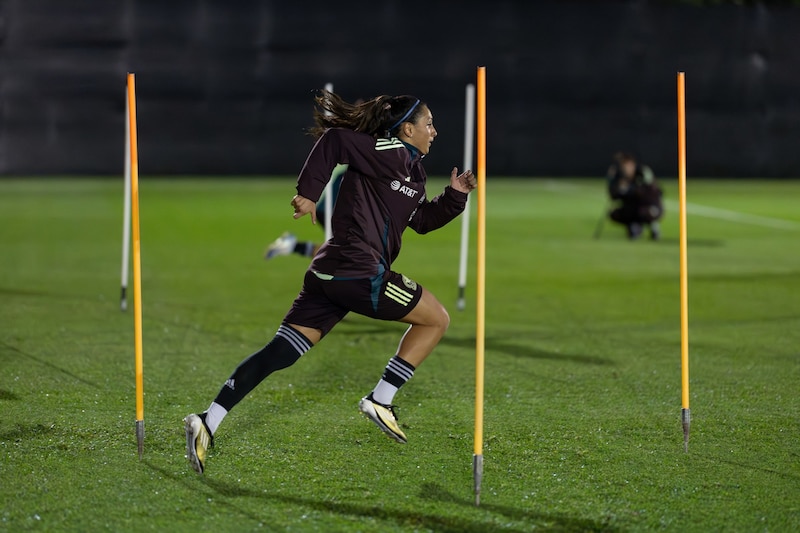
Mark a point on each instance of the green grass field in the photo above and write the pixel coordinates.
(583, 395)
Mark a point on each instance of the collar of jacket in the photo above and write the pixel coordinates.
(415, 153)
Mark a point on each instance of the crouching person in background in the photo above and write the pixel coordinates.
(638, 196)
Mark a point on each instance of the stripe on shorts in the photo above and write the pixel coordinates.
(397, 294)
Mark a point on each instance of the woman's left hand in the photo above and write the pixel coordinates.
(304, 206)
(464, 182)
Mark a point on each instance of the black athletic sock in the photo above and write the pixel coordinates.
(304, 248)
(398, 371)
(282, 351)
(395, 375)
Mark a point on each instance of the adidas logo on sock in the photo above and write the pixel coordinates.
(230, 384)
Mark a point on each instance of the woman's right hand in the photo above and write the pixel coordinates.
(464, 182)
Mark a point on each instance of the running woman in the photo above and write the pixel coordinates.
(382, 193)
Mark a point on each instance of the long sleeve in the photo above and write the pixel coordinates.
(434, 214)
(327, 152)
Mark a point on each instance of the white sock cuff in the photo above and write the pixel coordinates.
(384, 392)
(214, 416)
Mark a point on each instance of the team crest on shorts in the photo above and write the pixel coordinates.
(410, 283)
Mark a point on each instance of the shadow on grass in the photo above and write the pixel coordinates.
(547, 522)
(358, 329)
(517, 350)
(785, 475)
(21, 292)
(28, 432)
(406, 518)
(191, 486)
(702, 243)
(50, 295)
(668, 241)
(726, 277)
(46, 363)
(8, 395)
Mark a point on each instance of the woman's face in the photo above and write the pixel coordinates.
(628, 169)
(420, 134)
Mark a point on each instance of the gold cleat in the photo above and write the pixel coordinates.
(198, 441)
(384, 418)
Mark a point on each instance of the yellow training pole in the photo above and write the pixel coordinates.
(137, 265)
(480, 328)
(685, 412)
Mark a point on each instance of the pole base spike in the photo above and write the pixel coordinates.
(123, 300)
(686, 421)
(477, 476)
(140, 437)
(461, 304)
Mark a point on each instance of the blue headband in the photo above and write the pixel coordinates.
(408, 114)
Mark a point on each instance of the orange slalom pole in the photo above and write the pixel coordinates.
(137, 264)
(684, 279)
(480, 327)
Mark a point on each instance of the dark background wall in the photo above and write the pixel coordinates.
(225, 87)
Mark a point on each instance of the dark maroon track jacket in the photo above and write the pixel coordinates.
(382, 193)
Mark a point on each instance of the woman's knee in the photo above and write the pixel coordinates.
(429, 312)
(444, 318)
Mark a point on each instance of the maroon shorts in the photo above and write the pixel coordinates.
(324, 301)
